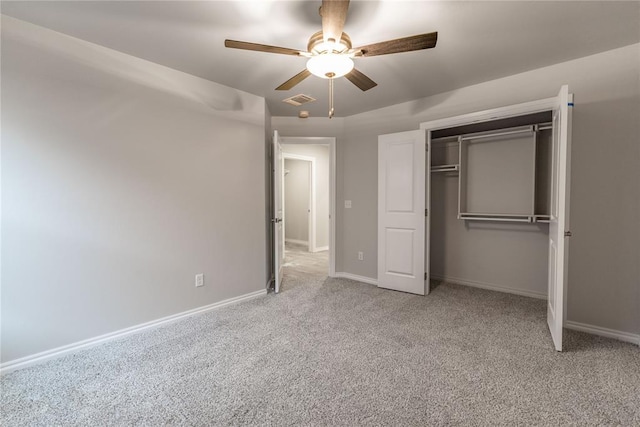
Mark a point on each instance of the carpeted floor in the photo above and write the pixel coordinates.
(337, 352)
(299, 263)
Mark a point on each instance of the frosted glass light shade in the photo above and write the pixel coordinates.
(329, 65)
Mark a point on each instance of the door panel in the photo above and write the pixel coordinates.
(400, 251)
(399, 179)
(401, 204)
(559, 222)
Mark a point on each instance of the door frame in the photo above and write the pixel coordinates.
(311, 205)
(331, 142)
(546, 104)
(537, 106)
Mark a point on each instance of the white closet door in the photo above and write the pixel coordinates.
(559, 222)
(401, 211)
(278, 210)
(427, 217)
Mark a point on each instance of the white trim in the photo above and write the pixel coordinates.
(297, 242)
(493, 114)
(567, 242)
(311, 219)
(321, 248)
(34, 359)
(331, 142)
(363, 279)
(332, 206)
(313, 140)
(603, 332)
(490, 287)
(295, 156)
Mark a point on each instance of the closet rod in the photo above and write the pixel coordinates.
(445, 168)
(499, 219)
(493, 135)
(495, 214)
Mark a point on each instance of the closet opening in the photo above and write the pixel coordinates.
(490, 192)
(480, 199)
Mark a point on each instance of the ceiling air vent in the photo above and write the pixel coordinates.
(298, 100)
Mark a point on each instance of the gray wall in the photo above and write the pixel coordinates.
(321, 155)
(605, 175)
(504, 255)
(120, 182)
(297, 200)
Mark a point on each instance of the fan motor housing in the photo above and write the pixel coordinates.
(318, 38)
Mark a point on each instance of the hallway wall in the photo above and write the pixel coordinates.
(320, 153)
(296, 200)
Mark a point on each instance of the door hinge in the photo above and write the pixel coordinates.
(567, 234)
(425, 276)
(426, 212)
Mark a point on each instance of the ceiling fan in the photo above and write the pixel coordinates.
(330, 50)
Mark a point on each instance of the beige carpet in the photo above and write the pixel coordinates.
(338, 352)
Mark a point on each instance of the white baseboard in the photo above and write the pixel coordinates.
(490, 286)
(321, 248)
(34, 359)
(603, 332)
(363, 279)
(297, 242)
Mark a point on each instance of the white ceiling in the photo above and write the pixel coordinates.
(477, 41)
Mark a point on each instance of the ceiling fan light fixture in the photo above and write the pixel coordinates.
(330, 65)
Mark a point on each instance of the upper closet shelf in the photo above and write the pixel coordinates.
(493, 134)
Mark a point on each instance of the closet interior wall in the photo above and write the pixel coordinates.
(509, 172)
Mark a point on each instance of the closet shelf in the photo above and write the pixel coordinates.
(529, 219)
(445, 168)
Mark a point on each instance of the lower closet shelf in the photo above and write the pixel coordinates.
(468, 216)
(445, 168)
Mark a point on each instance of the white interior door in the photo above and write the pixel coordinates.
(278, 210)
(559, 222)
(401, 211)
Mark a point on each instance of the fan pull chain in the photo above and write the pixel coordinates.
(331, 110)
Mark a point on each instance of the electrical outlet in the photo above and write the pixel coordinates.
(347, 204)
(360, 256)
(199, 280)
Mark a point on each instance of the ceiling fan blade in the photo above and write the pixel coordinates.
(294, 80)
(359, 79)
(234, 44)
(334, 15)
(405, 44)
